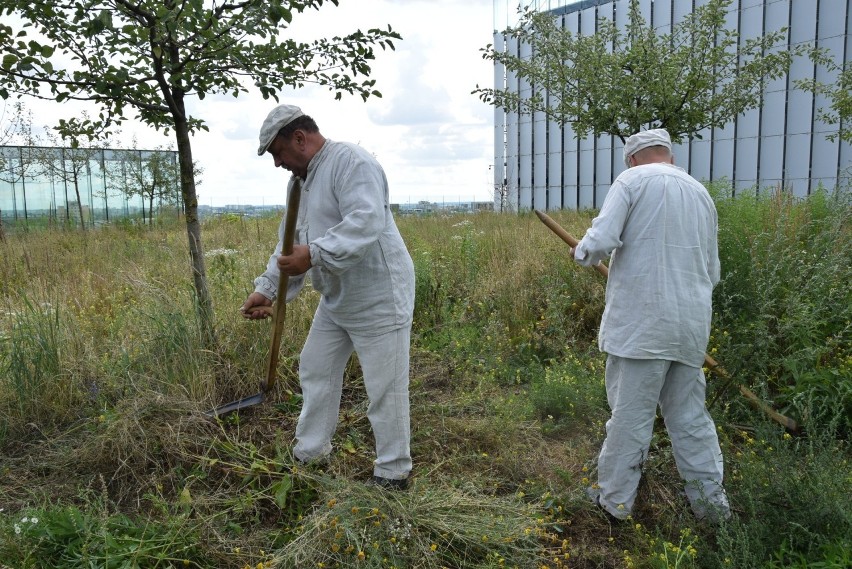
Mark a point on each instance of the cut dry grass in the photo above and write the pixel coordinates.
(432, 525)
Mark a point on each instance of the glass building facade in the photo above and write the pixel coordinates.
(782, 143)
(506, 11)
(41, 185)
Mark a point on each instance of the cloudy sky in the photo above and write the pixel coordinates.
(433, 137)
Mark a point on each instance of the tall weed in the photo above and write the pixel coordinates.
(37, 385)
(783, 309)
(513, 282)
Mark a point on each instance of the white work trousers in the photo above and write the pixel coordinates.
(384, 362)
(634, 388)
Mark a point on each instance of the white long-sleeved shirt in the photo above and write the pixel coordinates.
(360, 264)
(660, 225)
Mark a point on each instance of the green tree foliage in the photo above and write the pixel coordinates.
(838, 95)
(151, 55)
(618, 80)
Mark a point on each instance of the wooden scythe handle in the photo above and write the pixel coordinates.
(279, 310)
(567, 237)
(709, 362)
(755, 401)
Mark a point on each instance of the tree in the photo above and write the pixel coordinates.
(617, 81)
(152, 175)
(18, 127)
(17, 130)
(151, 55)
(69, 159)
(838, 95)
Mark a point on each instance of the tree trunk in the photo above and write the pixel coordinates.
(79, 202)
(151, 209)
(193, 228)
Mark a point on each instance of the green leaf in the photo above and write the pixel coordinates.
(9, 60)
(106, 18)
(280, 491)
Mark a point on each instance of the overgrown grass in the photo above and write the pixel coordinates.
(107, 461)
(784, 305)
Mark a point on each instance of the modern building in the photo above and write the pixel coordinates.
(539, 164)
(42, 185)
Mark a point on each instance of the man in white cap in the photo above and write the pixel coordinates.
(660, 226)
(348, 243)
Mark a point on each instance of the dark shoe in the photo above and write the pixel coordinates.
(389, 483)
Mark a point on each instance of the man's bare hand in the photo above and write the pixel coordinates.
(256, 307)
(297, 263)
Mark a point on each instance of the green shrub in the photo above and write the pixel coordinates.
(570, 391)
(783, 309)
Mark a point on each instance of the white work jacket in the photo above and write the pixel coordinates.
(360, 264)
(660, 225)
